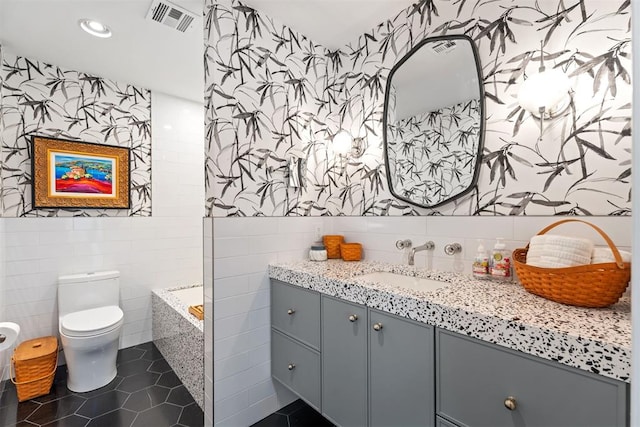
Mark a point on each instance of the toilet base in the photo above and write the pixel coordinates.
(83, 386)
(91, 361)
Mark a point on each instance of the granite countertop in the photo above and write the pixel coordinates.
(595, 340)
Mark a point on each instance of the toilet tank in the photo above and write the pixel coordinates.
(88, 290)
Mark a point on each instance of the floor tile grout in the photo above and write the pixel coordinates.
(122, 409)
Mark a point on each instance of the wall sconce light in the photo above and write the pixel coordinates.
(347, 146)
(545, 95)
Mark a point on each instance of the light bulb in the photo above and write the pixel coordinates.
(546, 91)
(342, 142)
(95, 28)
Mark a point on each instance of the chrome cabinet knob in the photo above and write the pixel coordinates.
(510, 403)
(291, 366)
(290, 311)
(353, 318)
(377, 326)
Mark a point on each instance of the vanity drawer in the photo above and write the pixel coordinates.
(297, 367)
(296, 311)
(475, 381)
(441, 422)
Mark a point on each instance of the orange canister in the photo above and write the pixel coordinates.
(332, 243)
(351, 251)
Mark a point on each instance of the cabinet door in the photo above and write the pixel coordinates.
(296, 366)
(344, 362)
(481, 384)
(296, 312)
(441, 422)
(401, 372)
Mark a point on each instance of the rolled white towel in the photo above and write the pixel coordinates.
(568, 244)
(554, 251)
(552, 262)
(535, 253)
(601, 255)
(573, 242)
(562, 255)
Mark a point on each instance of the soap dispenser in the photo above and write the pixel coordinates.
(480, 267)
(500, 267)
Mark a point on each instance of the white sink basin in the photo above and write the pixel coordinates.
(402, 281)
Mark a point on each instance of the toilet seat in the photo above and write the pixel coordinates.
(95, 321)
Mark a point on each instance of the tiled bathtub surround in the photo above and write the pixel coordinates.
(180, 338)
(595, 340)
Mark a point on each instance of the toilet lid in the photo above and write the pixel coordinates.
(95, 321)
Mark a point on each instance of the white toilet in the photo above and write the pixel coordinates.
(90, 321)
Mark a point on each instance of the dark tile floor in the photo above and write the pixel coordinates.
(296, 414)
(146, 393)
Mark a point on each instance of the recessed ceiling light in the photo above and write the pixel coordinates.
(95, 28)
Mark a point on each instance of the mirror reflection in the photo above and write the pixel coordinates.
(434, 121)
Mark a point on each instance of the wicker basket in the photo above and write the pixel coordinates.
(351, 251)
(332, 243)
(591, 285)
(34, 362)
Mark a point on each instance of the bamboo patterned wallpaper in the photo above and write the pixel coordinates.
(271, 93)
(47, 100)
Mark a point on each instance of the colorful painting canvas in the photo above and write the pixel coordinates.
(79, 174)
(85, 175)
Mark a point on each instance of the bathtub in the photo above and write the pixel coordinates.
(180, 336)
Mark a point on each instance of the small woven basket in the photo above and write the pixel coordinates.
(332, 243)
(34, 362)
(591, 285)
(351, 251)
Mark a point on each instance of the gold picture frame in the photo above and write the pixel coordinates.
(74, 174)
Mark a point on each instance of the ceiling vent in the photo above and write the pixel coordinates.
(171, 15)
(444, 46)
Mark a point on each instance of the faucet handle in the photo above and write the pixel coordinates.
(452, 248)
(403, 244)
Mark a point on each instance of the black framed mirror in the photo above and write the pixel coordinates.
(434, 121)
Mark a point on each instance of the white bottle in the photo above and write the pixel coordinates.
(500, 261)
(480, 267)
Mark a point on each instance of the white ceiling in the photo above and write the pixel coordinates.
(331, 23)
(154, 56)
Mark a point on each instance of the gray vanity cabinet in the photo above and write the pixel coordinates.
(401, 371)
(344, 362)
(376, 367)
(297, 367)
(296, 311)
(481, 384)
(295, 340)
(441, 422)
(362, 367)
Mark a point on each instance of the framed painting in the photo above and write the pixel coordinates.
(70, 174)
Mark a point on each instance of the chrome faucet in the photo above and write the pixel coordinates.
(429, 246)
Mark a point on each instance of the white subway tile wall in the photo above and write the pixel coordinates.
(241, 385)
(150, 252)
(4, 355)
(207, 256)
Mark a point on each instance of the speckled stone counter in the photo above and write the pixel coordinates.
(180, 338)
(595, 340)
